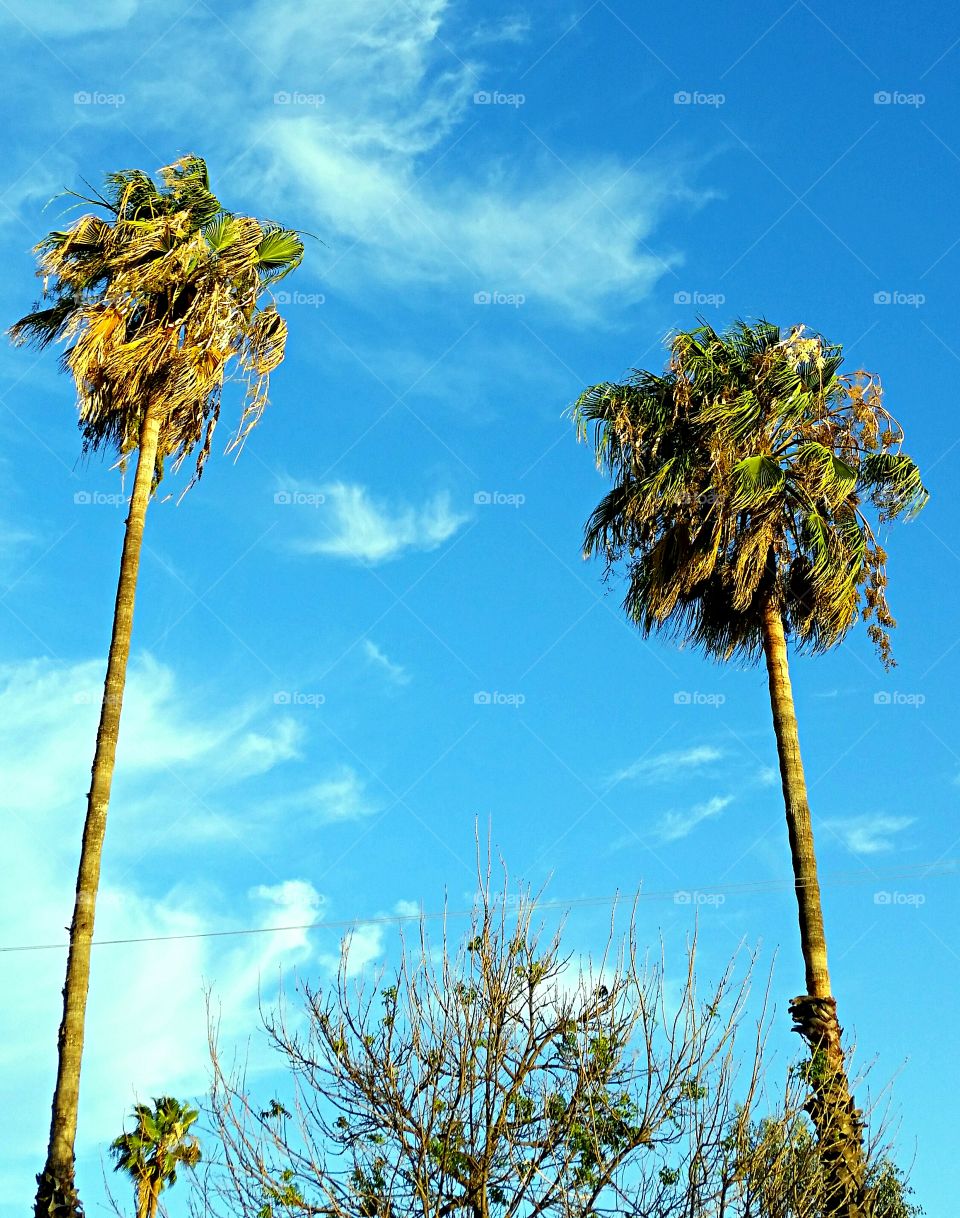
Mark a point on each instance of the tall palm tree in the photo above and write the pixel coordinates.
(156, 297)
(151, 1153)
(740, 478)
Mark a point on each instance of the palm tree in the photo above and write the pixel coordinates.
(155, 297)
(151, 1153)
(740, 477)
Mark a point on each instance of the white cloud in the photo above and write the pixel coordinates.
(869, 834)
(256, 752)
(396, 672)
(55, 709)
(564, 228)
(676, 825)
(673, 764)
(369, 530)
(569, 237)
(337, 799)
(514, 29)
(52, 18)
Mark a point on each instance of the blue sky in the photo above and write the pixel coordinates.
(375, 629)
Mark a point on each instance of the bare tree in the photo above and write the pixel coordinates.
(505, 1079)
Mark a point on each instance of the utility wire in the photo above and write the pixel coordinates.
(748, 888)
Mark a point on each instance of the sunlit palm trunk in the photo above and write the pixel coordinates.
(143, 1197)
(837, 1120)
(57, 1181)
(153, 1194)
(812, 939)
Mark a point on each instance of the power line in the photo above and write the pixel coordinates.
(680, 896)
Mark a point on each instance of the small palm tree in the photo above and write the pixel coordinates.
(156, 298)
(152, 1151)
(740, 478)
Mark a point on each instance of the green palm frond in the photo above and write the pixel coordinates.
(894, 483)
(756, 480)
(278, 253)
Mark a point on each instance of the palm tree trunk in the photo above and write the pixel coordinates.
(153, 1201)
(143, 1196)
(837, 1120)
(56, 1193)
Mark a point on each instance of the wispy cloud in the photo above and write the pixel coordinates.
(56, 20)
(673, 764)
(679, 824)
(366, 529)
(513, 29)
(341, 798)
(569, 230)
(396, 672)
(51, 712)
(869, 834)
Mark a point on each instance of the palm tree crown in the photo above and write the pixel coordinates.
(155, 300)
(159, 1143)
(740, 476)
